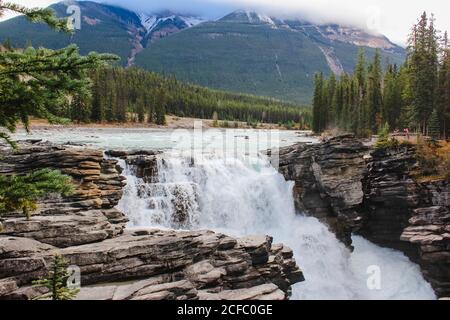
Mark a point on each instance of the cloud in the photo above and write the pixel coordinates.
(393, 18)
(315, 11)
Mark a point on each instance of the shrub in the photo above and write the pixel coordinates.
(433, 158)
(384, 141)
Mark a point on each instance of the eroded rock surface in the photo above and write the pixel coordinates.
(157, 264)
(118, 264)
(357, 190)
(429, 231)
(390, 196)
(86, 216)
(328, 181)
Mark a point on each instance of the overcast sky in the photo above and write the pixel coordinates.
(392, 18)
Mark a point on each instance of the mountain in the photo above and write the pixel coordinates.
(165, 23)
(242, 52)
(104, 28)
(254, 53)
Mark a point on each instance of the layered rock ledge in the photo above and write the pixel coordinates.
(86, 216)
(155, 264)
(116, 263)
(328, 181)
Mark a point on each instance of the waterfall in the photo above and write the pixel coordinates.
(238, 197)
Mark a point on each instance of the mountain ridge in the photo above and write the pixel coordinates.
(228, 53)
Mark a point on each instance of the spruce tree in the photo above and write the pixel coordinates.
(80, 108)
(35, 15)
(434, 128)
(34, 81)
(392, 98)
(404, 97)
(331, 90)
(56, 281)
(140, 108)
(160, 106)
(444, 89)
(423, 63)
(23, 192)
(383, 140)
(318, 103)
(360, 69)
(374, 93)
(360, 108)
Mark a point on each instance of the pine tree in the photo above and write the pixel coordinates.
(160, 106)
(392, 97)
(383, 136)
(34, 81)
(80, 108)
(337, 105)
(423, 63)
(140, 108)
(434, 128)
(444, 89)
(329, 106)
(358, 104)
(318, 103)
(23, 192)
(360, 69)
(34, 15)
(404, 97)
(97, 112)
(374, 93)
(56, 282)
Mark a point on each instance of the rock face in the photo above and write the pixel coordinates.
(405, 215)
(328, 181)
(154, 264)
(86, 216)
(390, 195)
(115, 263)
(372, 193)
(429, 231)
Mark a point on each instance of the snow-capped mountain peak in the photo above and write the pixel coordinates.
(148, 22)
(154, 21)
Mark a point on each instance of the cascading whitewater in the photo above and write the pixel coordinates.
(239, 198)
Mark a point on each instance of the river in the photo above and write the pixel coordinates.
(221, 182)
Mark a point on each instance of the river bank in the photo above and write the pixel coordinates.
(173, 122)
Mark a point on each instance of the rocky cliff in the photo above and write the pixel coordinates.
(117, 263)
(372, 193)
(328, 181)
